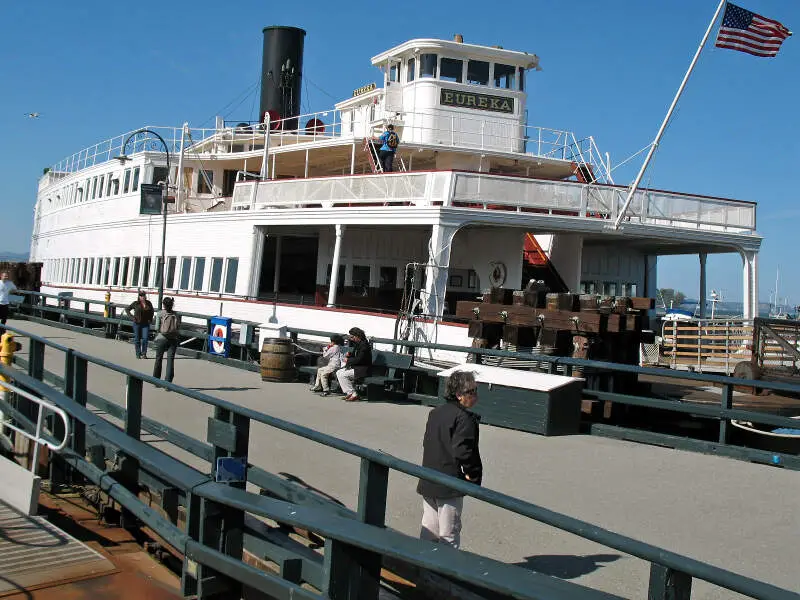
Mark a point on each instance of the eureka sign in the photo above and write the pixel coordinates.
(477, 101)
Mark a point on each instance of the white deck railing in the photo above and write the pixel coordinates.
(498, 192)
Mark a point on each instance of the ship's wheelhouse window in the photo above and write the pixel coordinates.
(360, 276)
(126, 186)
(388, 278)
(394, 72)
(172, 263)
(505, 76)
(80, 194)
(521, 79)
(135, 186)
(427, 63)
(452, 69)
(478, 72)
(411, 69)
(216, 275)
(114, 186)
(109, 185)
(94, 188)
(231, 274)
(186, 269)
(199, 273)
(100, 183)
(205, 179)
(160, 174)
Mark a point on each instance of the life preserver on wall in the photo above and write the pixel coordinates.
(498, 274)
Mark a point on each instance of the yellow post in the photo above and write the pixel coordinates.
(106, 310)
(7, 348)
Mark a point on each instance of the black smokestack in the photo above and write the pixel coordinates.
(282, 73)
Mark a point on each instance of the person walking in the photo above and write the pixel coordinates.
(333, 354)
(357, 364)
(450, 446)
(141, 311)
(390, 141)
(7, 287)
(167, 339)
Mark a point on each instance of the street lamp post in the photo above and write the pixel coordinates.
(164, 201)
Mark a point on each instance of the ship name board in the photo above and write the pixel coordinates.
(476, 101)
(364, 89)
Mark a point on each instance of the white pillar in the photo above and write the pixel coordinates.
(337, 253)
(566, 255)
(436, 272)
(255, 262)
(703, 257)
(750, 284)
(276, 278)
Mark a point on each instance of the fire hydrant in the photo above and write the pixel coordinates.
(106, 310)
(7, 348)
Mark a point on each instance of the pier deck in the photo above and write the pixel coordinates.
(733, 514)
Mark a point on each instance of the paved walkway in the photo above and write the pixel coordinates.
(736, 515)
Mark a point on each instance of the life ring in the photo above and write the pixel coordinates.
(498, 274)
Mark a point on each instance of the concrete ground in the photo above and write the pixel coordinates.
(736, 515)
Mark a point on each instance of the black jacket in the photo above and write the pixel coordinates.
(450, 445)
(360, 359)
(143, 315)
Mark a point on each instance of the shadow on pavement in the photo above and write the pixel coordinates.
(566, 566)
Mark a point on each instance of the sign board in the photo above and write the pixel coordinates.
(231, 469)
(476, 101)
(364, 89)
(151, 198)
(219, 338)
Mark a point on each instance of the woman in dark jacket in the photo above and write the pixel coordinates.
(142, 313)
(357, 364)
(450, 446)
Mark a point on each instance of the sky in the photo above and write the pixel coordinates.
(610, 69)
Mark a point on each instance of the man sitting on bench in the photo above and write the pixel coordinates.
(357, 365)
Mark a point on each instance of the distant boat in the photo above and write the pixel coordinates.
(766, 437)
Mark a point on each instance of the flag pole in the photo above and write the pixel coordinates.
(655, 143)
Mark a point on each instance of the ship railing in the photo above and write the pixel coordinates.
(706, 345)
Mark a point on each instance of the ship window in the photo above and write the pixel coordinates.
(427, 63)
(146, 271)
(230, 275)
(115, 272)
(104, 280)
(101, 181)
(388, 278)
(452, 69)
(135, 186)
(360, 276)
(394, 72)
(160, 174)
(123, 277)
(186, 269)
(115, 186)
(411, 69)
(110, 185)
(126, 186)
(478, 72)
(135, 267)
(94, 188)
(521, 79)
(205, 179)
(505, 76)
(199, 273)
(90, 278)
(609, 288)
(340, 282)
(80, 195)
(216, 274)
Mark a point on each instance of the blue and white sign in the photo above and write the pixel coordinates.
(219, 338)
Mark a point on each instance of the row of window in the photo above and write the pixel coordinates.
(189, 273)
(609, 288)
(474, 72)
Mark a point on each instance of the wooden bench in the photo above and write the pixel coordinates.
(386, 373)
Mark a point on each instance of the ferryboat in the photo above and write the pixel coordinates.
(292, 221)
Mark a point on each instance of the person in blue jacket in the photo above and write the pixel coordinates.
(390, 141)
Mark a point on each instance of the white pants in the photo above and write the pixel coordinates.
(441, 520)
(346, 378)
(324, 377)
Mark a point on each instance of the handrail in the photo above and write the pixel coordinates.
(36, 437)
(653, 554)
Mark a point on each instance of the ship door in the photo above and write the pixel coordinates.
(288, 267)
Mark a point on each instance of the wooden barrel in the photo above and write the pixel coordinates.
(277, 360)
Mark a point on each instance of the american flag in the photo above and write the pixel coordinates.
(748, 32)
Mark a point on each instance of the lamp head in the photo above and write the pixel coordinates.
(122, 158)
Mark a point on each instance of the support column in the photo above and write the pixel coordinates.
(337, 254)
(750, 284)
(651, 280)
(437, 270)
(703, 257)
(566, 255)
(276, 278)
(256, 258)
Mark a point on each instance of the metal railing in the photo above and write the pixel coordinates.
(37, 435)
(355, 548)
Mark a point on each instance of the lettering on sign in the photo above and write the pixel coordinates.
(364, 89)
(477, 101)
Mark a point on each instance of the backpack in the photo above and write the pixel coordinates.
(169, 324)
(392, 141)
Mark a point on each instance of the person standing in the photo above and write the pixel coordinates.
(333, 354)
(142, 313)
(450, 446)
(390, 141)
(7, 287)
(167, 340)
(357, 364)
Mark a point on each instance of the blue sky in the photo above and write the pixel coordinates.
(98, 69)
